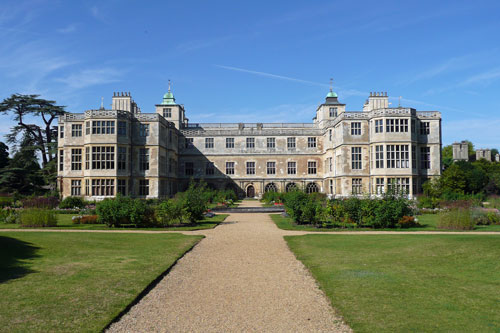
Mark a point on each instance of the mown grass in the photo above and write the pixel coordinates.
(428, 223)
(407, 283)
(63, 282)
(64, 222)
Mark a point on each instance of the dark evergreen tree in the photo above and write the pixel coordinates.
(4, 155)
(22, 174)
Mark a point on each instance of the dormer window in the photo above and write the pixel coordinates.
(333, 112)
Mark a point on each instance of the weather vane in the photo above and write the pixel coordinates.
(331, 84)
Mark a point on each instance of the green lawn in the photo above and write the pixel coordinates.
(78, 281)
(64, 222)
(428, 222)
(407, 283)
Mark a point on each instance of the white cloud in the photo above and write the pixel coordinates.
(449, 65)
(24, 65)
(273, 76)
(91, 77)
(483, 78)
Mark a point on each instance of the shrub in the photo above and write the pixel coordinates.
(9, 216)
(424, 201)
(352, 210)
(225, 196)
(40, 202)
(303, 208)
(482, 217)
(6, 202)
(271, 196)
(318, 196)
(408, 222)
(170, 211)
(72, 202)
(494, 202)
(114, 212)
(373, 213)
(140, 213)
(230, 195)
(209, 195)
(192, 201)
(123, 210)
(312, 211)
(493, 218)
(294, 205)
(456, 219)
(36, 217)
(85, 219)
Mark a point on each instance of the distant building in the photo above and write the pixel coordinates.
(483, 154)
(461, 151)
(341, 153)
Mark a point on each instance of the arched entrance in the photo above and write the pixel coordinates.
(291, 187)
(271, 187)
(311, 188)
(250, 191)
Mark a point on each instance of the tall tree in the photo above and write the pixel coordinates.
(447, 155)
(22, 174)
(25, 107)
(4, 155)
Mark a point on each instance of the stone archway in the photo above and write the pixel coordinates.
(312, 188)
(291, 187)
(250, 191)
(271, 187)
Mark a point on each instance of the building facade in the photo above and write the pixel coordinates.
(341, 153)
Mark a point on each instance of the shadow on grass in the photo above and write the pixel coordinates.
(12, 254)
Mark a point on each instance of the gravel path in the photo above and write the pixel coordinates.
(241, 277)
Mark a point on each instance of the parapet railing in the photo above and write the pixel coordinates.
(249, 125)
(114, 114)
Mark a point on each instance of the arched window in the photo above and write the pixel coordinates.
(311, 188)
(291, 187)
(271, 187)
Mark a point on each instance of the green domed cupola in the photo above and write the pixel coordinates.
(331, 94)
(168, 98)
(332, 97)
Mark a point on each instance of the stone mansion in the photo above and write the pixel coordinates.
(152, 155)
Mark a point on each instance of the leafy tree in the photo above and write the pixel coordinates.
(471, 150)
(447, 154)
(193, 201)
(22, 174)
(494, 152)
(25, 107)
(453, 179)
(4, 155)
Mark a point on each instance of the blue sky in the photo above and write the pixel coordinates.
(260, 61)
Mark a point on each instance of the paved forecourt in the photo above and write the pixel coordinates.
(241, 277)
